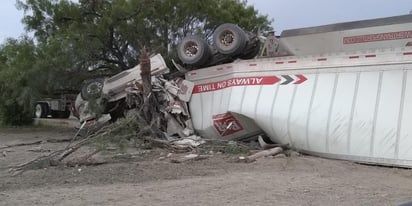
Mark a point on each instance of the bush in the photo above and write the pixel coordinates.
(14, 114)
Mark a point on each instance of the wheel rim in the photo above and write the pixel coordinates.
(94, 88)
(191, 49)
(227, 38)
(38, 111)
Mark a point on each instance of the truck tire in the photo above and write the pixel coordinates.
(92, 89)
(229, 39)
(41, 110)
(193, 50)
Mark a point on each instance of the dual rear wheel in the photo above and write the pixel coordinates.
(229, 40)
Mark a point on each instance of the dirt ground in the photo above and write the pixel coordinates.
(154, 180)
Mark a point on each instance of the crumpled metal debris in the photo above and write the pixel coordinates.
(192, 141)
(171, 102)
(172, 97)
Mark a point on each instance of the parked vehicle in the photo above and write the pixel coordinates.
(55, 107)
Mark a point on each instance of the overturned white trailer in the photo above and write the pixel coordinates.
(342, 91)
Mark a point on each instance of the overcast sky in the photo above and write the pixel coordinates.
(287, 14)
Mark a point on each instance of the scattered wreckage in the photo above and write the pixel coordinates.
(340, 91)
(116, 95)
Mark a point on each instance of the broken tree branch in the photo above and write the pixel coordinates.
(35, 143)
(49, 160)
(194, 157)
(264, 153)
(72, 149)
(85, 160)
(21, 144)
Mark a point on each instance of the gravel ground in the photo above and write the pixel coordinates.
(219, 180)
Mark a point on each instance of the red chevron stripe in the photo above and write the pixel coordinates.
(301, 79)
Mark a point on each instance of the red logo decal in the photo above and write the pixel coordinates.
(226, 124)
(377, 37)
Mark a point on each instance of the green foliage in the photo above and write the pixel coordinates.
(16, 85)
(108, 34)
(29, 71)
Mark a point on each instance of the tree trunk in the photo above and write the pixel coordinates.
(147, 85)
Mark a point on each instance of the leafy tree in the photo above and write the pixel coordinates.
(16, 85)
(111, 32)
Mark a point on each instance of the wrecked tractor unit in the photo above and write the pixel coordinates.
(115, 95)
